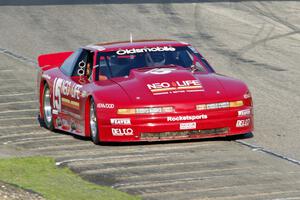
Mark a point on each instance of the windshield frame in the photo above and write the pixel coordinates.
(191, 50)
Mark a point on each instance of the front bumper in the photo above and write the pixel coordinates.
(177, 126)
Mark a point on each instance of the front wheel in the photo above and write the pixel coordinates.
(47, 108)
(94, 123)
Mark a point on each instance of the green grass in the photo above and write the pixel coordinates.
(42, 176)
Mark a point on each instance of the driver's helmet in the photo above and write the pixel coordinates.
(156, 59)
(113, 60)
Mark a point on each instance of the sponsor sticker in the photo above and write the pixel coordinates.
(245, 112)
(58, 122)
(73, 126)
(121, 131)
(70, 103)
(120, 121)
(74, 115)
(247, 95)
(242, 122)
(144, 50)
(106, 105)
(65, 125)
(67, 88)
(188, 125)
(175, 87)
(186, 118)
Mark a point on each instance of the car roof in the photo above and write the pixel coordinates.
(112, 46)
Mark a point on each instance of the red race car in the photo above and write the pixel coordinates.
(140, 91)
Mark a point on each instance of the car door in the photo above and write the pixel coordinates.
(68, 98)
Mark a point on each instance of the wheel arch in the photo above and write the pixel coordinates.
(87, 116)
(41, 92)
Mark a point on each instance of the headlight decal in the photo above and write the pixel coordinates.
(231, 104)
(145, 110)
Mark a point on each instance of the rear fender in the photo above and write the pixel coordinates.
(41, 90)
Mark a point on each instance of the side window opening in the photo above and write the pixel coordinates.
(68, 65)
(83, 65)
(103, 72)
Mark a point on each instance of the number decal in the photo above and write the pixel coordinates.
(160, 71)
(66, 88)
(57, 94)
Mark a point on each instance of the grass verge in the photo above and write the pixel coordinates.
(40, 174)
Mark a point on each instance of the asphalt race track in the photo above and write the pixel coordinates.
(256, 41)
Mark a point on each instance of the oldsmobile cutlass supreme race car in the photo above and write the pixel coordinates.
(140, 91)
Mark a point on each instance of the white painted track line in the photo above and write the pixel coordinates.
(17, 94)
(16, 111)
(20, 126)
(18, 102)
(17, 118)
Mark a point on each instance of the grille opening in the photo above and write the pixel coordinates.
(188, 133)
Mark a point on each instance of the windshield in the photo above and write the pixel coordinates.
(120, 63)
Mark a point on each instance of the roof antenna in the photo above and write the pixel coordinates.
(130, 37)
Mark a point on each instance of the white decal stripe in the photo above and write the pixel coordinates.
(195, 90)
(160, 93)
(163, 89)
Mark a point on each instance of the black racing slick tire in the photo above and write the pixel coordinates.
(93, 123)
(47, 108)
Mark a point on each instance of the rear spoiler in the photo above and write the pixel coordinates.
(48, 61)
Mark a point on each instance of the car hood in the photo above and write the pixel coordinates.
(178, 85)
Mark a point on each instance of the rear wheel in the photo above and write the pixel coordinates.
(93, 123)
(47, 108)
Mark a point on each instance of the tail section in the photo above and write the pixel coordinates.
(48, 61)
